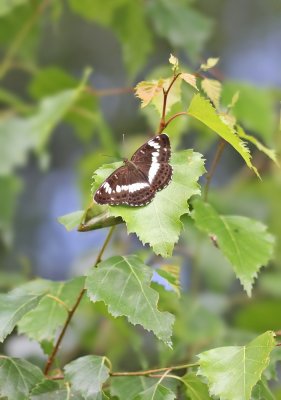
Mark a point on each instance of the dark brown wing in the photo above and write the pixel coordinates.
(126, 185)
(152, 158)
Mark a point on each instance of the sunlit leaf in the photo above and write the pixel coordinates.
(244, 242)
(17, 378)
(146, 91)
(195, 388)
(190, 79)
(212, 88)
(162, 216)
(87, 375)
(71, 220)
(175, 63)
(233, 371)
(44, 320)
(210, 63)
(269, 152)
(202, 110)
(13, 306)
(123, 283)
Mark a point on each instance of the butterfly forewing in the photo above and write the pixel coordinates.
(140, 178)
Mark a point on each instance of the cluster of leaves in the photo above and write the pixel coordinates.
(42, 309)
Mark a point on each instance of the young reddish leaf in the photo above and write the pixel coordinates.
(190, 79)
(146, 91)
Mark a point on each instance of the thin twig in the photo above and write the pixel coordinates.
(175, 116)
(152, 371)
(108, 92)
(162, 124)
(215, 161)
(71, 312)
(4, 67)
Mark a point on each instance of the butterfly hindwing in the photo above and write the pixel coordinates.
(136, 182)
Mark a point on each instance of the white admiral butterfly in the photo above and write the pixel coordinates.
(137, 182)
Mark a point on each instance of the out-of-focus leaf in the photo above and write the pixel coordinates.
(271, 284)
(156, 392)
(123, 284)
(171, 273)
(180, 24)
(262, 392)
(254, 109)
(9, 189)
(13, 306)
(175, 63)
(259, 316)
(87, 375)
(212, 88)
(71, 220)
(44, 320)
(7, 6)
(202, 110)
(17, 378)
(126, 388)
(127, 20)
(195, 388)
(269, 152)
(210, 63)
(162, 216)
(244, 242)
(233, 371)
(19, 135)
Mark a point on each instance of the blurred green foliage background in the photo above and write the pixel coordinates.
(55, 131)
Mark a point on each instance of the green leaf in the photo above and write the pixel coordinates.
(255, 108)
(20, 135)
(126, 388)
(71, 220)
(9, 189)
(243, 241)
(13, 306)
(212, 88)
(262, 392)
(162, 216)
(7, 6)
(17, 378)
(156, 392)
(195, 388)
(201, 109)
(233, 371)
(87, 375)
(127, 20)
(44, 320)
(52, 390)
(180, 24)
(269, 152)
(123, 283)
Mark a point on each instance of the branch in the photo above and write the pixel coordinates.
(152, 371)
(214, 164)
(108, 92)
(71, 312)
(162, 124)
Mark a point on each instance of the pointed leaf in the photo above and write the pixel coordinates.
(13, 306)
(175, 63)
(202, 110)
(44, 320)
(212, 88)
(127, 387)
(244, 242)
(269, 152)
(156, 392)
(195, 388)
(147, 90)
(162, 216)
(17, 378)
(87, 375)
(71, 220)
(190, 79)
(123, 283)
(233, 371)
(210, 63)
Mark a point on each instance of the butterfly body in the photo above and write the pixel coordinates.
(137, 181)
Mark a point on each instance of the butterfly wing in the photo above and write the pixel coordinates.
(152, 158)
(126, 185)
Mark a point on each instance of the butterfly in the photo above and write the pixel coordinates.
(137, 181)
